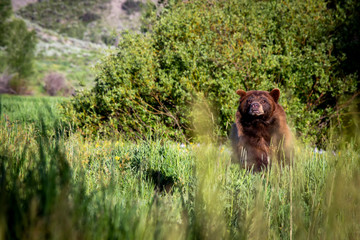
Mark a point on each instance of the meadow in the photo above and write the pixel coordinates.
(65, 185)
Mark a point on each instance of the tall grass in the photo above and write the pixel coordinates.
(29, 109)
(73, 187)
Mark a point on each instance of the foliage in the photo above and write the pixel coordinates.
(5, 13)
(208, 49)
(348, 42)
(18, 43)
(20, 48)
(58, 187)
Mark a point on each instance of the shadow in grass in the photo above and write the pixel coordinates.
(161, 181)
(35, 189)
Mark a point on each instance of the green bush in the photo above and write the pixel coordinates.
(20, 48)
(208, 49)
(5, 13)
(17, 43)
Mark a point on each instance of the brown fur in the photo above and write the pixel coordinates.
(260, 132)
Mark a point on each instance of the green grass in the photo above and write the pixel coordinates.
(71, 187)
(30, 110)
(76, 67)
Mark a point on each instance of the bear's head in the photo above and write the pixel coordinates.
(258, 104)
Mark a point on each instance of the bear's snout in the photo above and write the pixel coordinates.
(255, 106)
(256, 109)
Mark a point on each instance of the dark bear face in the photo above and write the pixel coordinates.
(258, 104)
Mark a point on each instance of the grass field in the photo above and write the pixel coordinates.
(74, 187)
(28, 110)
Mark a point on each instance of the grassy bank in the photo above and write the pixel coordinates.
(74, 187)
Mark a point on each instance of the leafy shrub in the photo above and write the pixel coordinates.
(18, 44)
(20, 48)
(208, 49)
(5, 13)
(347, 35)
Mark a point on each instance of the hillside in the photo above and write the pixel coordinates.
(73, 58)
(17, 4)
(72, 36)
(98, 21)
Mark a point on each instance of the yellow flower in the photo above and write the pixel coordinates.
(117, 158)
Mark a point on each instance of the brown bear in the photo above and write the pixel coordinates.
(260, 134)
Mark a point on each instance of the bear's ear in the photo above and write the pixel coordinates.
(275, 93)
(241, 93)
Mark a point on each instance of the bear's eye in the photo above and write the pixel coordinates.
(262, 101)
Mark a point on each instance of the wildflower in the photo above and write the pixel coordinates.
(117, 158)
(316, 150)
(222, 149)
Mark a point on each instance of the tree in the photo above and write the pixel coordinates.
(17, 41)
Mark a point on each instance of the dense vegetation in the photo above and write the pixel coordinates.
(17, 47)
(206, 50)
(58, 187)
(60, 180)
